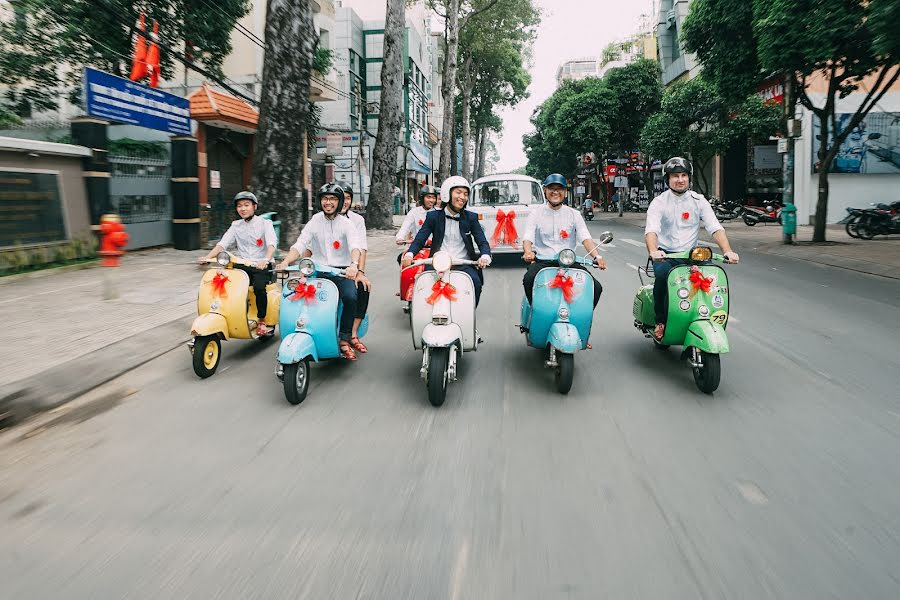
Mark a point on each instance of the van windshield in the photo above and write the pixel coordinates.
(497, 193)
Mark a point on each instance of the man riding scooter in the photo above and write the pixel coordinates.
(553, 228)
(415, 218)
(255, 241)
(673, 225)
(456, 231)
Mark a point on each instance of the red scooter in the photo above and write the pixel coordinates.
(755, 214)
(408, 277)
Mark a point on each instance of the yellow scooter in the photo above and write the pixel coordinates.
(226, 307)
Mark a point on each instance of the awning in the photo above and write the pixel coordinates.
(223, 110)
(414, 164)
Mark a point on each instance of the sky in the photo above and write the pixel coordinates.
(569, 29)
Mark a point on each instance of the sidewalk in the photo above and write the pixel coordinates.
(63, 339)
(880, 256)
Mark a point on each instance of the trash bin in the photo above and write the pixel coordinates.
(396, 205)
(789, 218)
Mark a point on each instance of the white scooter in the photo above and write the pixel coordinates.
(442, 314)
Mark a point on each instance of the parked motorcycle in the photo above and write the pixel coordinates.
(726, 210)
(697, 313)
(226, 307)
(883, 221)
(442, 315)
(310, 315)
(559, 320)
(770, 214)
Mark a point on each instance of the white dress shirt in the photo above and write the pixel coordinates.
(320, 235)
(551, 231)
(360, 225)
(252, 237)
(675, 219)
(412, 223)
(453, 242)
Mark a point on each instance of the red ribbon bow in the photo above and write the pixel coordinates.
(218, 285)
(304, 292)
(685, 215)
(505, 229)
(259, 242)
(563, 234)
(442, 289)
(566, 284)
(337, 245)
(700, 282)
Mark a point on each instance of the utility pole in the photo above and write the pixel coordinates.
(789, 212)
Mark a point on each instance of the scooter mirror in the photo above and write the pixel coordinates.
(606, 237)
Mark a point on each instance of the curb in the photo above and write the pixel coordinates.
(46, 391)
(49, 271)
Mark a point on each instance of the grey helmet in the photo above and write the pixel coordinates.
(246, 196)
(428, 190)
(333, 189)
(677, 164)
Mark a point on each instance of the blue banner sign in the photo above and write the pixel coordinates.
(123, 101)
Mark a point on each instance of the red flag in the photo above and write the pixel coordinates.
(153, 56)
(139, 65)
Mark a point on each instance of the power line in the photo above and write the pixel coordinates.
(241, 29)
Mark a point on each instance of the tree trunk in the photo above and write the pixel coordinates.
(482, 159)
(282, 112)
(466, 131)
(384, 155)
(824, 166)
(476, 154)
(448, 87)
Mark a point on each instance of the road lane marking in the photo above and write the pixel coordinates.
(633, 242)
(459, 571)
(635, 267)
(733, 319)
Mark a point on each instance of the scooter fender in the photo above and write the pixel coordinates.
(295, 347)
(564, 337)
(707, 336)
(210, 324)
(441, 336)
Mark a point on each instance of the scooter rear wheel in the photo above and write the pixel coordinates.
(748, 220)
(206, 355)
(296, 381)
(565, 372)
(707, 377)
(438, 367)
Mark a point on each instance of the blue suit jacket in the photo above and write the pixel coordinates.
(433, 227)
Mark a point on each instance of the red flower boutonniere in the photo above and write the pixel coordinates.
(685, 215)
(420, 222)
(337, 245)
(564, 234)
(259, 242)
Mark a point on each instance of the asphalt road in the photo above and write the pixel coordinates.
(783, 484)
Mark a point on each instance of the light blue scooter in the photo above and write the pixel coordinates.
(308, 323)
(560, 320)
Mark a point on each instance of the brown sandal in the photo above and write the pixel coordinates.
(347, 350)
(358, 345)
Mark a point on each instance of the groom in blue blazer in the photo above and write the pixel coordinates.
(456, 231)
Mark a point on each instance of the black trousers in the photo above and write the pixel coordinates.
(362, 301)
(536, 266)
(259, 279)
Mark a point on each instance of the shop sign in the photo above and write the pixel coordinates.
(123, 101)
(334, 143)
(31, 207)
(215, 180)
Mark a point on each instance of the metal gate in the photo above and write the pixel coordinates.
(139, 191)
(225, 153)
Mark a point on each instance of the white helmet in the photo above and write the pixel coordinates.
(450, 183)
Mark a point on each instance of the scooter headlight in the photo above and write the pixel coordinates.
(567, 258)
(563, 314)
(307, 267)
(701, 253)
(223, 259)
(292, 283)
(442, 262)
(683, 293)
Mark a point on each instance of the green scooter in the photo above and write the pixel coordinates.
(697, 313)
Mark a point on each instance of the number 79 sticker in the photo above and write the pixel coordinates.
(719, 317)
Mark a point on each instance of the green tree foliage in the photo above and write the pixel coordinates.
(592, 115)
(840, 42)
(45, 34)
(695, 121)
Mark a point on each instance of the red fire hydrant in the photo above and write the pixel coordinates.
(112, 239)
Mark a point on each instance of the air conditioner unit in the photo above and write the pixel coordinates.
(670, 19)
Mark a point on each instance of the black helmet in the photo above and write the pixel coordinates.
(333, 189)
(348, 188)
(676, 164)
(428, 190)
(246, 196)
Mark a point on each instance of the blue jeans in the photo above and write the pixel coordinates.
(661, 269)
(347, 292)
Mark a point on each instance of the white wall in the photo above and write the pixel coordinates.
(845, 189)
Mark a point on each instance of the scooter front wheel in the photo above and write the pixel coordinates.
(707, 377)
(565, 372)
(748, 220)
(296, 381)
(438, 367)
(206, 354)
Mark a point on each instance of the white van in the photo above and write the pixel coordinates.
(503, 203)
